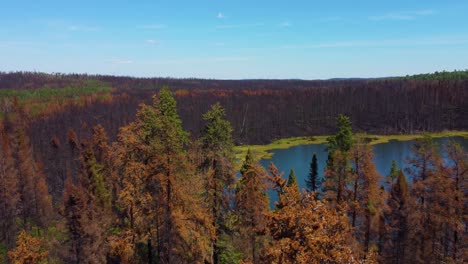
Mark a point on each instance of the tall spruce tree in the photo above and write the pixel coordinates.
(217, 166)
(160, 194)
(9, 195)
(338, 172)
(313, 181)
(251, 205)
(292, 180)
(399, 203)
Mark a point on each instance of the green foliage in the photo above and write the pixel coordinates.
(393, 171)
(46, 93)
(292, 180)
(313, 181)
(248, 162)
(38, 100)
(444, 75)
(229, 254)
(3, 253)
(169, 124)
(98, 183)
(343, 139)
(217, 133)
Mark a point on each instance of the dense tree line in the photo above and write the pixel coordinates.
(153, 194)
(258, 110)
(444, 75)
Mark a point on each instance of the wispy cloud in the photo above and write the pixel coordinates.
(414, 42)
(405, 15)
(82, 28)
(65, 25)
(220, 15)
(285, 24)
(239, 26)
(152, 41)
(152, 26)
(121, 61)
(201, 60)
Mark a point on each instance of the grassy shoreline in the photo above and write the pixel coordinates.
(264, 151)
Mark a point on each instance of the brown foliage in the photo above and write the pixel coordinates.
(29, 250)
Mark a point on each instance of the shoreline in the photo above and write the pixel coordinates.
(264, 151)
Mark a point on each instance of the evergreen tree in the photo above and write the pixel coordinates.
(343, 139)
(313, 182)
(217, 165)
(305, 230)
(292, 180)
(248, 162)
(74, 212)
(160, 193)
(338, 172)
(35, 201)
(399, 203)
(28, 249)
(9, 195)
(458, 171)
(368, 198)
(394, 172)
(431, 183)
(251, 204)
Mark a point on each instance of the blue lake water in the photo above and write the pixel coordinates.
(299, 158)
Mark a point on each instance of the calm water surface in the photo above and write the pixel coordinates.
(299, 158)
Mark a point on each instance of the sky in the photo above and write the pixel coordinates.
(235, 39)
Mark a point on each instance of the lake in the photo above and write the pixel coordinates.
(299, 158)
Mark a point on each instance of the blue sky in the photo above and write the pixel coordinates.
(235, 39)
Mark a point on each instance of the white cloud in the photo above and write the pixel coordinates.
(152, 26)
(285, 24)
(220, 15)
(121, 61)
(152, 41)
(405, 15)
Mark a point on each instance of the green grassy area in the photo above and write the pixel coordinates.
(264, 151)
(37, 101)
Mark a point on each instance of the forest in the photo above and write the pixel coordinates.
(100, 180)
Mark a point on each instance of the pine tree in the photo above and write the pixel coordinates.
(337, 173)
(160, 193)
(28, 249)
(400, 204)
(75, 215)
(458, 171)
(217, 165)
(9, 195)
(313, 182)
(367, 204)
(343, 139)
(430, 183)
(292, 180)
(35, 201)
(305, 230)
(251, 204)
(394, 172)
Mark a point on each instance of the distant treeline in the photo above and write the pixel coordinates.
(444, 75)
